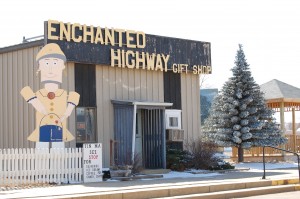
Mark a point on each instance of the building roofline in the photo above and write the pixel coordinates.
(22, 46)
(141, 103)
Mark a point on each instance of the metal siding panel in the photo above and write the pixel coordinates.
(164, 159)
(159, 151)
(160, 138)
(149, 79)
(184, 106)
(5, 101)
(151, 139)
(119, 83)
(143, 85)
(37, 80)
(2, 83)
(178, 95)
(196, 104)
(129, 135)
(20, 113)
(147, 142)
(137, 84)
(155, 86)
(100, 108)
(15, 96)
(144, 138)
(112, 83)
(189, 107)
(131, 85)
(166, 83)
(31, 112)
(125, 84)
(161, 87)
(116, 152)
(115, 136)
(25, 105)
(10, 104)
(157, 140)
(112, 95)
(106, 109)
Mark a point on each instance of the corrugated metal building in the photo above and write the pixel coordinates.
(117, 99)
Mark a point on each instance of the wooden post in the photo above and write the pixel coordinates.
(294, 129)
(282, 125)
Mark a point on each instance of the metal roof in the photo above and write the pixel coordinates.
(22, 46)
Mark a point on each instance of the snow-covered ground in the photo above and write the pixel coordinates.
(250, 166)
(259, 166)
(190, 174)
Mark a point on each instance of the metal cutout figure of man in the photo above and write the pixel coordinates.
(53, 105)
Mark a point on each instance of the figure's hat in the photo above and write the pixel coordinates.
(51, 50)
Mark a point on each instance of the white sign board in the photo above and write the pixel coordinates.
(92, 162)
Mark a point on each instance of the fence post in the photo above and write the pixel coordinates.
(264, 163)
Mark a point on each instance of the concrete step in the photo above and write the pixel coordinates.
(196, 190)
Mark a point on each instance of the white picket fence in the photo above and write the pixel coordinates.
(21, 167)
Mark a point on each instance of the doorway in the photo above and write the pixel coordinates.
(139, 139)
(146, 122)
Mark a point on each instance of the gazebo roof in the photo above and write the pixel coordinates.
(277, 92)
(277, 89)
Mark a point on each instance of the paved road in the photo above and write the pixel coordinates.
(286, 195)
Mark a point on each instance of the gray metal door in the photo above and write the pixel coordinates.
(154, 142)
(123, 115)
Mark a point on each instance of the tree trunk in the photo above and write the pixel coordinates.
(240, 154)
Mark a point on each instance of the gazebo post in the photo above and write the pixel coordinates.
(283, 97)
(282, 126)
(294, 129)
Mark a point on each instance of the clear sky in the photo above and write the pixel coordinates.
(268, 29)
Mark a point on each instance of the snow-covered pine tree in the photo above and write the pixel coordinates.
(239, 115)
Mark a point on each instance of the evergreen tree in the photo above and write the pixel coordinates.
(239, 115)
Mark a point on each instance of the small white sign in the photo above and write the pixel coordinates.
(92, 162)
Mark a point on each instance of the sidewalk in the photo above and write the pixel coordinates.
(60, 191)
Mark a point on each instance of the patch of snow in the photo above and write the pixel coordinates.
(259, 165)
(187, 174)
(252, 166)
